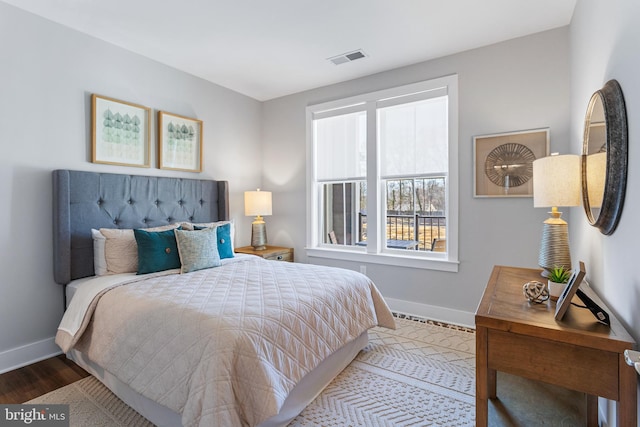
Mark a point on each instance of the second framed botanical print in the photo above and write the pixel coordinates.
(503, 163)
(179, 142)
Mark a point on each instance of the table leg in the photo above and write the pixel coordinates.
(492, 384)
(592, 410)
(626, 407)
(482, 378)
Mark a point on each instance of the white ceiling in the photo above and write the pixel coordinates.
(270, 48)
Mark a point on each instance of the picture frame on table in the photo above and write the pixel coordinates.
(119, 132)
(564, 301)
(503, 162)
(179, 142)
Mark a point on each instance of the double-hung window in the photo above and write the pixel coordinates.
(382, 176)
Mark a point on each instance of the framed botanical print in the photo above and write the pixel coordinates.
(119, 132)
(503, 163)
(179, 142)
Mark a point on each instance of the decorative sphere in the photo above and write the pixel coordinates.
(535, 291)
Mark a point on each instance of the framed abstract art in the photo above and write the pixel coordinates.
(503, 163)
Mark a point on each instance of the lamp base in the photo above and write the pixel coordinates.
(554, 247)
(259, 235)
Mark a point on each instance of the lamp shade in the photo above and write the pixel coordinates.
(557, 181)
(257, 203)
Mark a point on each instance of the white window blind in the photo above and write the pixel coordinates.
(341, 147)
(414, 138)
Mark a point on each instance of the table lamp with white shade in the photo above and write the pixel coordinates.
(258, 203)
(556, 182)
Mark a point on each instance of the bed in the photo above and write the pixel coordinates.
(243, 342)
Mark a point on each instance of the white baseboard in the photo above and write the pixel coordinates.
(28, 354)
(441, 314)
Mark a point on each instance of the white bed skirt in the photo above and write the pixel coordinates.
(303, 393)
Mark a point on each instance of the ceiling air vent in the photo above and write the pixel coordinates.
(348, 57)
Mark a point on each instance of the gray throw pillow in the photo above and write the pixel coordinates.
(198, 249)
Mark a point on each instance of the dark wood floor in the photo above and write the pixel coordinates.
(32, 381)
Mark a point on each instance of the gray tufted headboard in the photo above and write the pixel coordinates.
(86, 200)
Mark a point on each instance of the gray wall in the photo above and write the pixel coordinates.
(604, 45)
(515, 85)
(47, 75)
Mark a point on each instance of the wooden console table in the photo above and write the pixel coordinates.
(578, 353)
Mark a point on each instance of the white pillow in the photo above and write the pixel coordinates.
(120, 250)
(99, 259)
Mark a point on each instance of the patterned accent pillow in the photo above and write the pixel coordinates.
(121, 250)
(157, 251)
(198, 249)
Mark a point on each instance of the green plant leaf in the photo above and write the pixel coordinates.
(559, 274)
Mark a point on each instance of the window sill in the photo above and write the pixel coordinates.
(387, 258)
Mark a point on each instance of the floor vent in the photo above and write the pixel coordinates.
(348, 57)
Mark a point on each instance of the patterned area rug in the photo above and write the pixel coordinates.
(421, 374)
(91, 404)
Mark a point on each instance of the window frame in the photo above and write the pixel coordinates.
(376, 251)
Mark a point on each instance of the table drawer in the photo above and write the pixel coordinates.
(574, 367)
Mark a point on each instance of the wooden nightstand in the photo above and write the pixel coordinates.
(577, 353)
(274, 253)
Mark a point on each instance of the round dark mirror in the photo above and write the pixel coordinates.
(604, 157)
(595, 160)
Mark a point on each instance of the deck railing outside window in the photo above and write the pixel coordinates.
(421, 228)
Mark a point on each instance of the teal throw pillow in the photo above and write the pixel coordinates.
(157, 251)
(225, 249)
(224, 241)
(198, 249)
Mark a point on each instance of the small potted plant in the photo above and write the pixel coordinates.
(558, 278)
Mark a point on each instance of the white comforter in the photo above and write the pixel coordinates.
(224, 346)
